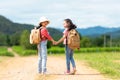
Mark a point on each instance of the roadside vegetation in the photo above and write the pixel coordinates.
(85, 50)
(4, 52)
(107, 63)
(23, 52)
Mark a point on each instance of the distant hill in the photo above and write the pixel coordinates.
(97, 30)
(115, 34)
(9, 27)
(55, 33)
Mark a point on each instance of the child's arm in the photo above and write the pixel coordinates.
(53, 41)
(46, 34)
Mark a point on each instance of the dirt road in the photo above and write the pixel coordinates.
(25, 68)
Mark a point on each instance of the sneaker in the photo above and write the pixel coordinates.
(67, 72)
(73, 72)
(44, 73)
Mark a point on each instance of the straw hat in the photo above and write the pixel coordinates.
(44, 19)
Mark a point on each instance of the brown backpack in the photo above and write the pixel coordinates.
(35, 36)
(73, 39)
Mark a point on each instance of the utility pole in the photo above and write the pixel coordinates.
(110, 40)
(104, 40)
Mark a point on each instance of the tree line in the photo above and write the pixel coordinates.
(23, 40)
(18, 34)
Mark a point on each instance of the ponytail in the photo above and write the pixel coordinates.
(39, 26)
(71, 25)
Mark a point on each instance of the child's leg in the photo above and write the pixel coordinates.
(44, 55)
(39, 59)
(67, 58)
(73, 62)
(72, 59)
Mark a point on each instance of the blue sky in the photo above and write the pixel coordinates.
(84, 13)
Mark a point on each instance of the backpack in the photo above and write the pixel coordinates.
(35, 36)
(73, 39)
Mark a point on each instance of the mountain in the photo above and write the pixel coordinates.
(97, 30)
(9, 27)
(55, 33)
(115, 34)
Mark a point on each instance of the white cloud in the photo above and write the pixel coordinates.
(84, 13)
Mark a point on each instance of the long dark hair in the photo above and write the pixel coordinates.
(40, 25)
(71, 25)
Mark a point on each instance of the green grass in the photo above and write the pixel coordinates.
(4, 52)
(57, 50)
(86, 50)
(23, 52)
(104, 62)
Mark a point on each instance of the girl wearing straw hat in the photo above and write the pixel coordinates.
(42, 47)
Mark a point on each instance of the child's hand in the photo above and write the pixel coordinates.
(55, 43)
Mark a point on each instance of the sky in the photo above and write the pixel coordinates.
(84, 13)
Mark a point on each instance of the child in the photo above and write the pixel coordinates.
(68, 25)
(42, 47)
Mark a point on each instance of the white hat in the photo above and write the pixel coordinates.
(43, 19)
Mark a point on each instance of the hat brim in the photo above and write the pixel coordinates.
(44, 21)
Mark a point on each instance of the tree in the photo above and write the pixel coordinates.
(2, 39)
(8, 40)
(98, 42)
(15, 39)
(49, 44)
(85, 42)
(24, 40)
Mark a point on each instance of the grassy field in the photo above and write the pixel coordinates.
(104, 62)
(57, 50)
(23, 52)
(4, 52)
(86, 50)
(108, 63)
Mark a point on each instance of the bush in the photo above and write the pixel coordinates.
(15, 38)
(4, 52)
(56, 50)
(23, 52)
(85, 50)
(2, 39)
(24, 40)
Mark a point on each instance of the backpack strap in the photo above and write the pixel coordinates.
(40, 33)
(67, 38)
(66, 41)
(41, 38)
